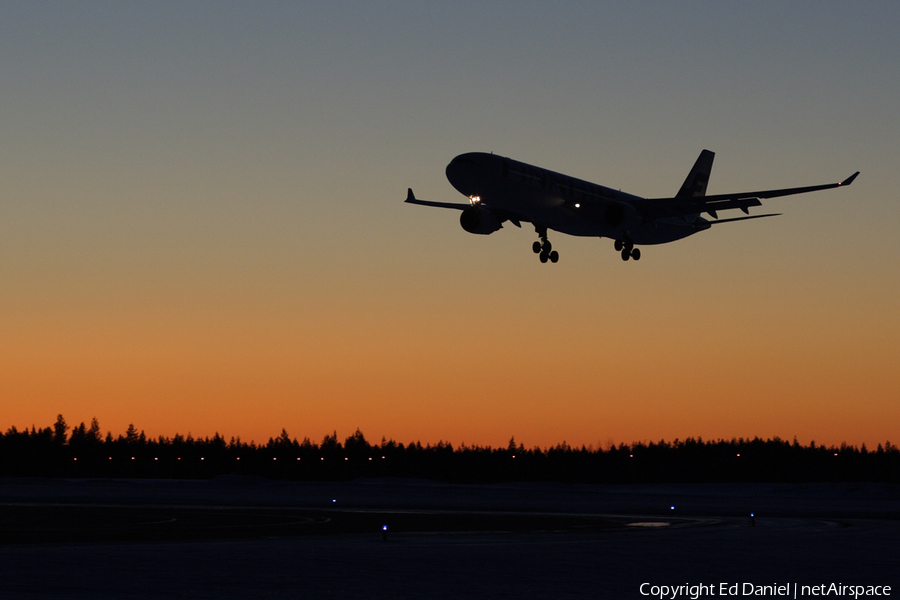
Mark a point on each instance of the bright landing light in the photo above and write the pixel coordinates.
(475, 200)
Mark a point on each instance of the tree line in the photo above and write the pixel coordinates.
(83, 451)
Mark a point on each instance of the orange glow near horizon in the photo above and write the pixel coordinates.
(416, 371)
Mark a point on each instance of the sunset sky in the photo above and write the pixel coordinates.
(202, 225)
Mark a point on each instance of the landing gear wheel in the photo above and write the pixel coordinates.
(619, 245)
(543, 248)
(636, 254)
(625, 254)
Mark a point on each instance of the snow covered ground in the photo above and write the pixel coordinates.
(566, 541)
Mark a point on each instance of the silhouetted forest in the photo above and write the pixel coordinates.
(84, 452)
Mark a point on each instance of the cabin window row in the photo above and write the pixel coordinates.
(566, 189)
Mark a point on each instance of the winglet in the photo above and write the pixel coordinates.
(410, 197)
(849, 180)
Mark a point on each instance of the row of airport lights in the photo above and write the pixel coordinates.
(155, 458)
(345, 458)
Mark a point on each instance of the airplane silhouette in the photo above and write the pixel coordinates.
(501, 189)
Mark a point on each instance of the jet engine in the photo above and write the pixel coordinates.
(479, 220)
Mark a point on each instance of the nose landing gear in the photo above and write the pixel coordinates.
(544, 248)
(626, 247)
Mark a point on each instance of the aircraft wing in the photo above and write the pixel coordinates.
(655, 208)
(411, 198)
(504, 215)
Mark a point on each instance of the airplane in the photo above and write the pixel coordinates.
(501, 189)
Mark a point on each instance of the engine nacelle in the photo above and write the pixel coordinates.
(621, 215)
(479, 220)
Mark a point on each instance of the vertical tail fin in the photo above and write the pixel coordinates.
(698, 178)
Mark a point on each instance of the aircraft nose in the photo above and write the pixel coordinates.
(456, 167)
(460, 172)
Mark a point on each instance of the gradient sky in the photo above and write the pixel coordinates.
(202, 224)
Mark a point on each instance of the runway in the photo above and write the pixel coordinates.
(246, 538)
(42, 524)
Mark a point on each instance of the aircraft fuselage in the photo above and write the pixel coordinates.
(561, 203)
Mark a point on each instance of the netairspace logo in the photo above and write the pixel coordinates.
(775, 590)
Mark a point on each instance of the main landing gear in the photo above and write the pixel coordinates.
(544, 248)
(626, 247)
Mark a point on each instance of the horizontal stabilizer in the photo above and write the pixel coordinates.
(744, 218)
